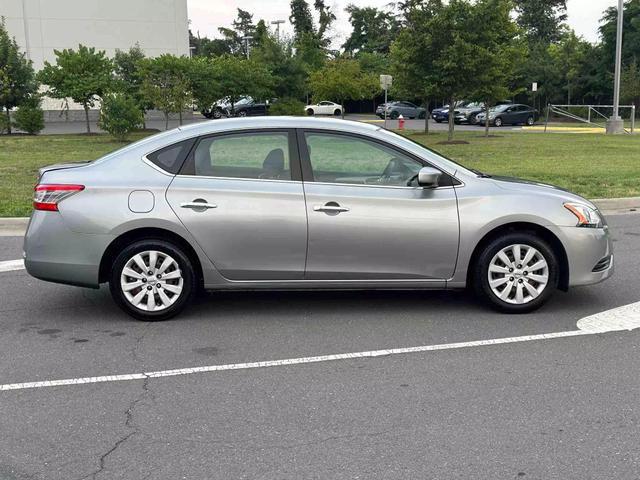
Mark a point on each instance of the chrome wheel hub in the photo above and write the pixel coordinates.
(518, 274)
(151, 281)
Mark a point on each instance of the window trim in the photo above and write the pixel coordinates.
(307, 169)
(294, 156)
(181, 161)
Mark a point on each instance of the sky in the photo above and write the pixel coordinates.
(207, 15)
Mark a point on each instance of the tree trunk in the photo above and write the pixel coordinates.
(180, 117)
(86, 116)
(487, 105)
(451, 117)
(166, 120)
(342, 109)
(8, 121)
(426, 116)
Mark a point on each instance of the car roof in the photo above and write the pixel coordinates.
(232, 124)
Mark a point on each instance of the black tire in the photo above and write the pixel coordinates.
(189, 285)
(480, 272)
(310, 111)
(530, 121)
(217, 114)
(422, 115)
(242, 113)
(337, 112)
(497, 122)
(473, 119)
(438, 121)
(394, 115)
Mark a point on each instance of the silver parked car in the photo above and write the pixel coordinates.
(304, 203)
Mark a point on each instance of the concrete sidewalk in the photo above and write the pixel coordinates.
(16, 227)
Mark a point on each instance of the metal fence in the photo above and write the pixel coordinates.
(595, 115)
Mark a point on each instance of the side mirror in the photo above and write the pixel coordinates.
(428, 177)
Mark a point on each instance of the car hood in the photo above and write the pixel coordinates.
(536, 188)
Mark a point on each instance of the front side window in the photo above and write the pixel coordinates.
(354, 160)
(259, 155)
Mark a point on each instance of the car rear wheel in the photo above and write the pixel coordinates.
(516, 273)
(498, 122)
(152, 280)
(422, 115)
(337, 112)
(217, 114)
(530, 121)
(242, 113)
(473, 119)
(394, 115)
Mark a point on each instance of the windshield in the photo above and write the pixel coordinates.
(500, 108)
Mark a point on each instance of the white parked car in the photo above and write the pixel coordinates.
(324, 108)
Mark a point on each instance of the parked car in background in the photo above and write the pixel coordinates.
(324, 108)
(395, 109)
(304, 203)
(469, 113)
(223, 107)
(442, 114)
(249, 107)
(514, 114)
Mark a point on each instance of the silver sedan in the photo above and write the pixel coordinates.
(304, 203)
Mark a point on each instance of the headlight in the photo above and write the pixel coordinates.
(587, 217)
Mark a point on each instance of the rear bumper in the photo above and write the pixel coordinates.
(54, 253)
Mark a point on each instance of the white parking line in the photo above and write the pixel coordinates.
(11, 265)
(617, 319)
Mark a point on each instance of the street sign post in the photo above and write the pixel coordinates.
(385, 83)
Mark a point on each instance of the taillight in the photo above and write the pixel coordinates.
(47, 197)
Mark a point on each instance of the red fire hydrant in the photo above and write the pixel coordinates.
(400, 122)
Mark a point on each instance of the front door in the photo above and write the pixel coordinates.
(241, 197)
(365, 221)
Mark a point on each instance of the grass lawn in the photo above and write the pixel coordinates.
(592, 165)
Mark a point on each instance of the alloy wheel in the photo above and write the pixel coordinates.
(151, 281)
(518, 274)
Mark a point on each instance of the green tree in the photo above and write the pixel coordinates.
(541, 20)
(288, 71)
(568, 55)
(204, 80)
(631, 33)
(498, 52)
(238, 77)
(83, 75)
(17, 78)
(630, 84)
(311, 42)
(242, 28)
(120, 115)
(413, 52)
(343, 79)
(166, 84)
(373, 30)
(127, 68)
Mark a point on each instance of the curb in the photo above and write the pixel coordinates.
(17, 226)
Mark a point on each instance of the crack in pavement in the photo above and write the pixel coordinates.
(129, 423)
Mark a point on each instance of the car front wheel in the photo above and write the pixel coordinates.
(152, 280)
(310, 111)
(498, 122)
(530, 121)
(516, 273)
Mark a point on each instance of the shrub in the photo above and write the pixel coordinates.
(4, 123)
(287, 106)
(29, 117)
(120, 115)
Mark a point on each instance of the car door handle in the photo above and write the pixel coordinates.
(198, 205)
(330, 208)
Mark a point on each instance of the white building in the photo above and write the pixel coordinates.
(42, 26)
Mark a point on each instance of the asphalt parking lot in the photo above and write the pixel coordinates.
(563, 408)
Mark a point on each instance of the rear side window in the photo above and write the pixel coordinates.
(253, 155)
(171, 158)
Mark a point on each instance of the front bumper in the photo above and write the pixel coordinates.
(54, 253)
(589, 254)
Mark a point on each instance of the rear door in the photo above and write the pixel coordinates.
(241, 197)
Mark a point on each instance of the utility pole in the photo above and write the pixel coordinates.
(277, 23)
(615, 124)
(246, 44)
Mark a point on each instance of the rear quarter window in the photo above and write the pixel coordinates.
(171, 158)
